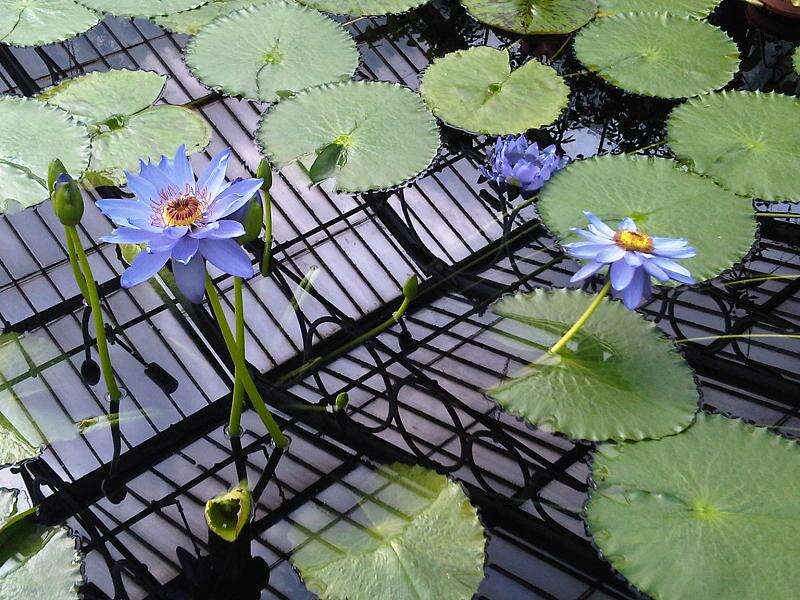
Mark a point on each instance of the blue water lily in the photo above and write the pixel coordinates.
(183, 218)
(633, 258)
(517, 163)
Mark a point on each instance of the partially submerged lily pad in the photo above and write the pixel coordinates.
(419, 538)
(14, 447)
(797, 60)
(710, 513)
(192, 21)
(277, 48)
(662, 198)
(748, 142)
(389, 134)
(476, 90)
(530, 17)
(618, 379)
(658, 54)
(361, 8)
(680, 8)
(37, 22)
(142, 8)
(227, 514)
(31, 135)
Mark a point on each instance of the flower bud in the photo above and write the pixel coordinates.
(252, 220)
(67, 200)
(411, 287)
(55, 170)
(264, 171)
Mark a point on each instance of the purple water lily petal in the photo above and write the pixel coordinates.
(227, 256)
(233, 197)
(144, 266)
(185, 249)
(214, 176)
(514, 162)
(191, 278)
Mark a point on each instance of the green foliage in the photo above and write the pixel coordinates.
(142, 8)
(530, 17)
(192, 21)
(361, 8)
(37, 22)
(227, 514)
(680, 8)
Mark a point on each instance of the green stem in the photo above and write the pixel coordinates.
(245, 377)
(266, 260)
(757, 279)
(744, 336)
(779, 215)
(559, 345)
(238, 390)
(76, 268)
(97, 315)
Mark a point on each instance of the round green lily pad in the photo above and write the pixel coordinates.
(37, 22)
(362, 8)
(476, 90)
(680, 8)
(263, 51)
(192, 21)
(32, 134)
(530, 17)
(658, 54)
(662, 198)
(142, 8)
(748, 142)
(419, 537)
(618, 379)
(388, 133)
(709, 513)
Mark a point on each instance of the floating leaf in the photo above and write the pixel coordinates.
(389, 134)
(710, 513)
(476, 90)
(228, 513)
(618, 379)
(362, 8)
(31, 135)
(420, 538)
(748, 142)
(658, 54)
(142, 8)
(14, 448)
(662, 198)
(192, 21)
(37, 22)
(36, 561)
(261, 51)
(797, 60)
(680, 8)
(533, 16)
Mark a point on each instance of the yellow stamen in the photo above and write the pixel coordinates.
(634, 240)
(183, 210)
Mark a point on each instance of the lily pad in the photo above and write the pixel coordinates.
(277, 48)
(662, 198)
(710, 513)
(37, 22)
(797, 60)
(142, 8)
(476, 90)
(530, 17)
(420, 538)
(36, 561)
(362, 8)
(748, 142)
(14, 447)
(192, 21)
(680, 8)
(618, 379)
(389, 134)
(31, 135)
(658, 54)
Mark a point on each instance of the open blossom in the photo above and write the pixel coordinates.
(515, 162)
(181, 218)
(633, 258)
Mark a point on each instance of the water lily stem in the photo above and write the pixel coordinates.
(266, 260)
(779, 215)
(559, 345)
(97, 314)
(238, 389)
(76, 268)
(241, 367)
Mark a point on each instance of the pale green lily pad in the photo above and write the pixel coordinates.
(662, 198)
(142, 8)
(680, 8)
(37, 562)
(710, 513)
(421, 538)
(748, 142)
(530, 17)
(390, 134)
(476, 90)
(361, 8)
(31, 135)
(14, 447)
(658, 54)
(618, 379)
(37, 22)
(192, 21)
(276, 48)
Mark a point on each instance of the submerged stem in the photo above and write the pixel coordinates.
(238, 390)
(559, 345)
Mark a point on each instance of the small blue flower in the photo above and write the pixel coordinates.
(186, 219)
(633, 257)
(519, 164)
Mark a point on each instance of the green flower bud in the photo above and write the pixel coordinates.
(227, 514)
(411, 287)
(342, 401)
(264, 171)
(55, 170)
(252, 220)
(67, 200)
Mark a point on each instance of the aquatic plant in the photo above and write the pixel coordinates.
(514, 162)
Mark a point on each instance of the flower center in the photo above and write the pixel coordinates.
(183, 210)
(633, 240)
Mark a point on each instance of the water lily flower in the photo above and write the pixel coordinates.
(516, 163)
(633, 258)
(181, 218)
